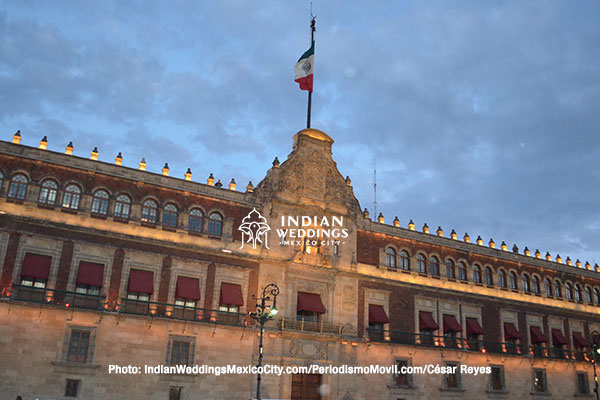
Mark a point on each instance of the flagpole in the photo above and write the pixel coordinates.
(312, 42)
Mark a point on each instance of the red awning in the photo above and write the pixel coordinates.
(537, 336)
(231, 294)
(510, 332)
(558, 339)
(451, 324)
(377, 314)
(426, 322)
(473, 327)
(90, 274)
(141, 281)
(187, 288)
(310, 302)
(579, 340)
(36, 266)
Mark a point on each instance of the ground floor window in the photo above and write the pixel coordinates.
(72, 387)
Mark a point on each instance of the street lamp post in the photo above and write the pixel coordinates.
(595, 336)
(263, 314)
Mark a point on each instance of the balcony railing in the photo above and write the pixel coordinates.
(57, 297)
(154, 309)
(288, 324)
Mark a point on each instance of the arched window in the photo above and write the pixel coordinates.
(390, 257)
(450, 269)
(578, 294)
(421, 267)
(557, 290)
(477, 274)
(488, 276)
(48, 192)
(122, 206)
(548, 287)
(588, 295)
(18, 187)
(71, 197)
(512, 281)
(502, 278)
(569, 291)
(462, 271)
(195, 220)
(149, 211)
(404, 260)
(170, 216)
(100, 202)
(535, 284)
(434, 266)
(526, 283)
(215, 224)
(596, 297)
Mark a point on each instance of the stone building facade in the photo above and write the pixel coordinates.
(105, 265)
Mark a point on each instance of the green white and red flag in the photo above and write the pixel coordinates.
(304, 69)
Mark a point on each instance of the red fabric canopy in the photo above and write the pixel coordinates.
(187, 288)
(537, 336)
(579, 340)
(426, 322)
(451, 324)
(141, 281)
(473, 327)
(91, 274)
(231, 294)
(310, 302)
(558, 339)
(36, 266)
(377, 314)
(510, 332)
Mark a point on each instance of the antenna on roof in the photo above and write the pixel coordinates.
(375, 187)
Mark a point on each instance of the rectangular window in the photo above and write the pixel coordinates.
(402, 379)
(180, 352)
(175, 392)
(452, 378)
(72, 387)
(78, 346)
(539, 381)
(497, 378)
(583, 386)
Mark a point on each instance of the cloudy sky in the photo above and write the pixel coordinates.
(482, 116)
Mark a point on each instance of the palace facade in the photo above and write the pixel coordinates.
(105, 265)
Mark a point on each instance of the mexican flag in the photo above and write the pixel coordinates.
(304, 69)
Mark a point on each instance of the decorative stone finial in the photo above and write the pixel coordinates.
(380, 218)
(219, 184)
(69, 149)
(17, 137)
(276, 162)
(578, 263)
(526, 251)
(569, 261)
(348, 181)
(425, 228)
(232, 184)
(366, 213)
(119, 159)
(44, 143)
(396, 222)
(503, 246)
(440, 231)
(596, 267)
(548, 256)
(587, 265)
(515, 249)
(538, 254)
(210, 180)
(165, 169)
(250, 187)
(94, 154)
(453, 234)
(558, 258)
(188, 174)
(467, 238)
(411, 225)
(142, 164)
(492, 244)
(479, 240)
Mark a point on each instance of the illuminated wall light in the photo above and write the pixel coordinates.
(119, 159)
(558, 258)
(578, 263)
(396, 222)
(232, 184)
(440, 231)
(380, 218)
(17, 137)
(467, 238)
(492, 244)
(503, 246)
(67, 305)
(94, 154)
(569, 261)
(425, 228)
(411, 225)
(250, 187)
(142, 165)
(165, 169)
(453, 234)
(348, 181)
(366, 213)
(548, 256)
(479, 241)
(538, 254)
(44, 143)
(276, 163)
(210, 180)
(188, 175)
(69, 149)
(526, 251)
